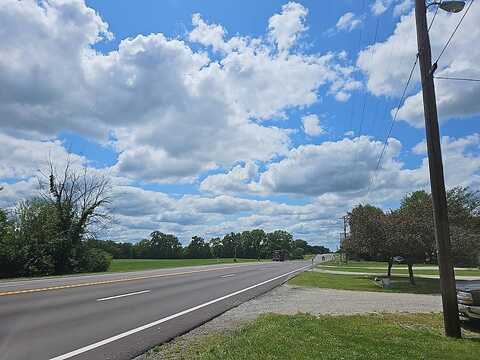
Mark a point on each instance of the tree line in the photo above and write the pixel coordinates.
(46, 234)
(253, 244)
(54, 232)
(408, 232)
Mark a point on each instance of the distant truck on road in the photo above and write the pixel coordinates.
(280, 255)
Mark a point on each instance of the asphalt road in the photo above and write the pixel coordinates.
(119, 316)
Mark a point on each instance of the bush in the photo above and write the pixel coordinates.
(95, 260)
(297, 253)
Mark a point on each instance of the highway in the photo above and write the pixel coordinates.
(121, 315)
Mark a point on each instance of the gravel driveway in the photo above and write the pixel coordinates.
(288, 300)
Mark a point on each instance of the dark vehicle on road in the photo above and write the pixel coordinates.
(280, 255)
(468, 297)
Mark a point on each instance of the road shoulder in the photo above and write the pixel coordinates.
(290, 300)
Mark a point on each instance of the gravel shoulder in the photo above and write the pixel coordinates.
(289, 300)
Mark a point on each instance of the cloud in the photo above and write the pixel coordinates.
(348, 22)
(21, 158)
(455, 99)
(401, 6)
(285, 28)
(170, 110)
(207, 34)
(234, 181)
(310, 169)
(311, 125)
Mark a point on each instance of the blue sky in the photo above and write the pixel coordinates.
(215, 116)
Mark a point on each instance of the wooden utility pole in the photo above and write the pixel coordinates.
(345, 235)
(437, 182)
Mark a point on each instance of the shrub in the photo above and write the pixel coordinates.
(95, 260)
(297, 253)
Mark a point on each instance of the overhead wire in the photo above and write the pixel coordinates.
(454, 31)
(400, 103)
(456, 78)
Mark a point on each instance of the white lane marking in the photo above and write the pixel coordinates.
(121, 296)
(228, 275)
(165, 319)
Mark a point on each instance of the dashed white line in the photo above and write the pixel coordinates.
(228, 275)
(124, 295)
(171, 317)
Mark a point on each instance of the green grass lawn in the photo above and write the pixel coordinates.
(398, 270)
(146, 264)
(381, 267)
(300, 337)
(364, 283)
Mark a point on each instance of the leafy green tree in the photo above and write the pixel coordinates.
(230, 244)
(251, 243)
(367, 236)
(164, 246)
(79, 201)
(277, 240)
(216, 247)
(297, 253)
(198, 249)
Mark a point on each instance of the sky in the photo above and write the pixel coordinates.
(217, 116)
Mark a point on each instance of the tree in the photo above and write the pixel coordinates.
(198, 249)
(216, 247)
(317, 249)
(277, 240)
(418, 208)
(367, 235)
(78, 199)
(251, 243)
(164, 246)
(297, 253)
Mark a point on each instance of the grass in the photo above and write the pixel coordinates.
(364, 283)
(146, 264)
(303, 336)
(381, 267)
(397, 270)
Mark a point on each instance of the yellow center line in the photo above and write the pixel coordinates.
(103, 282)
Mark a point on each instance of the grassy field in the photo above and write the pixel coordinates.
(364, 283)
(399, 269)
(300, 337)
(146, 264)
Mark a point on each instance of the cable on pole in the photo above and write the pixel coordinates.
(394, 119)
(454, 32)
(456, 78)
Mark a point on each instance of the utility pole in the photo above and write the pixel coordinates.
(345, 235)
(437, 182)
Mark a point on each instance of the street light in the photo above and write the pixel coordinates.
(437, 181)
(449, 6)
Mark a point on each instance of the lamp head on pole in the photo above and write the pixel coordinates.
(452, 6)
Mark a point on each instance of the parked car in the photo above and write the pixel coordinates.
(468, 297)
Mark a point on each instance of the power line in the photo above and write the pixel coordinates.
(366, 92)
(454, 31)
(456, 78)
(392, 124)
(434, 16)
(400, 103)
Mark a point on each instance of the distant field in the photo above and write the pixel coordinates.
(303, 336)
(146, 264)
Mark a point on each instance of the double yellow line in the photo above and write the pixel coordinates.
(113, 281)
